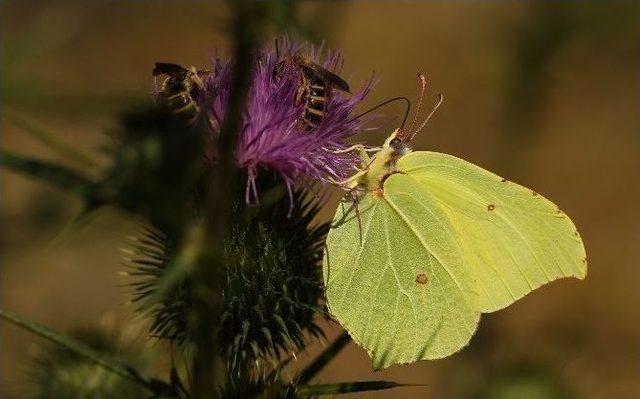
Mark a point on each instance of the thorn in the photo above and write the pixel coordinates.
(127, 251)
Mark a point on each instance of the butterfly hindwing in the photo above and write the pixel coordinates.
(390, 290)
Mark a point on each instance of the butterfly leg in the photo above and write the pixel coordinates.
(363, 152)
(351, 182)
(356, 147)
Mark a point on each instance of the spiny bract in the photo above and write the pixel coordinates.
(272, 283)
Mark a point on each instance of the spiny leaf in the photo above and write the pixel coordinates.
(57, 372)
(49, 139)
(109, 363)
(59, 176)
(346, 387)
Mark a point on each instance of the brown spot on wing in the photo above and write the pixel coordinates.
(421, 279)
(491, 207)
(503, 180)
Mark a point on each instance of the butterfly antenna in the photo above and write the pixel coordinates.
(382, 104)
(423, 88)
(426, 120)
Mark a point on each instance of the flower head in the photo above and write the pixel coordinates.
(272, 135)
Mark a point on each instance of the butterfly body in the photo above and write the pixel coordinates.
(382, 164)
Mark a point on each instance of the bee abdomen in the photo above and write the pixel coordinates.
(178, 90)
(183, 106)
(315, 104)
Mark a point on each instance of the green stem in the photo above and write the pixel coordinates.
(246, 27)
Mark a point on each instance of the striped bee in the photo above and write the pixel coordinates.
(315, 88)
(178, 89)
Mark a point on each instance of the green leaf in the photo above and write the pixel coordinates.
(346, 387)
(109, 363)
(440, 243)
(42, 134)
(49, 172)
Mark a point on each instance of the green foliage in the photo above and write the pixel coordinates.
(60, 373)
(108, 361)
(155, 170)
(157, 164)
(245, 384)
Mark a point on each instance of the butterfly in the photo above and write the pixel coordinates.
(430, 243)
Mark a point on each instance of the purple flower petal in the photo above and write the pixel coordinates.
(271, 136)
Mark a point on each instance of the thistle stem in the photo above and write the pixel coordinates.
(246, 28)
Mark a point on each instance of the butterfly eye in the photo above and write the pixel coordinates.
(396, 144)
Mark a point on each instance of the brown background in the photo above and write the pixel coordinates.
(544, 94)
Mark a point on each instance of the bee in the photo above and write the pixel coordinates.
(315, 88)
(178, 90)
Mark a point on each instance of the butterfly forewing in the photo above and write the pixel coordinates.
(513, 239)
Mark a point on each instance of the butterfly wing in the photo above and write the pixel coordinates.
(444, 242)
(401, 294)
(512, 239)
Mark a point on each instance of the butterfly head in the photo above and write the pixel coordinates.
(383, 163)
(397, 144)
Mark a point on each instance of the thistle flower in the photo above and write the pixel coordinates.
(271, 136)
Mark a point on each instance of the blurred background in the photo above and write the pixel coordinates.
(543, 93)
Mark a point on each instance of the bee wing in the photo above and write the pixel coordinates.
(166, 68)
(328, 76)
